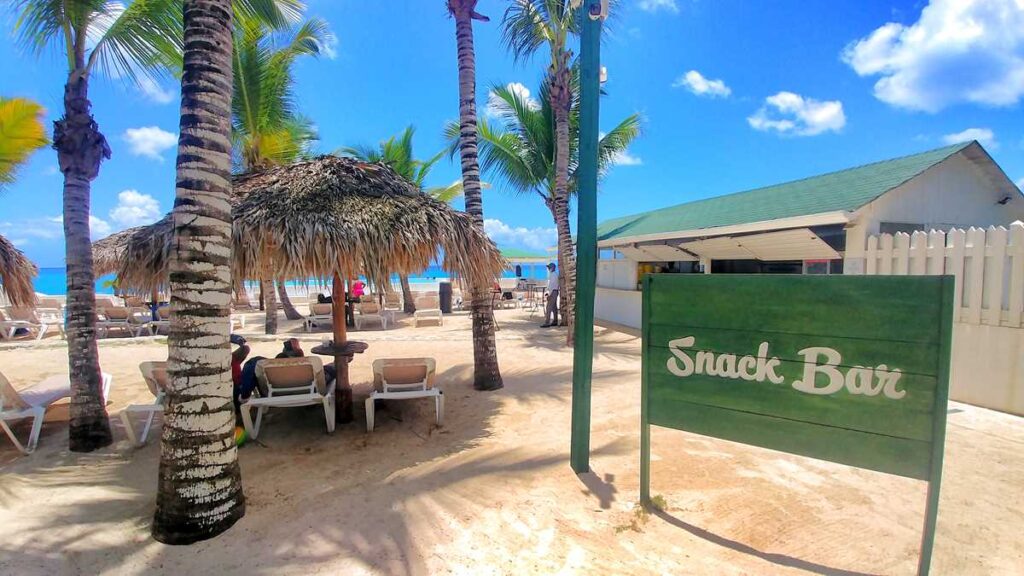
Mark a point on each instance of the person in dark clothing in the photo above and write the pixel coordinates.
(321, 299)
(292, 349)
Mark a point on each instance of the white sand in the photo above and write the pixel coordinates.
(492, 493)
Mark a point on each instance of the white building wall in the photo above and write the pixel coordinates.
(951, 194)
(623, 307)
(620, 274)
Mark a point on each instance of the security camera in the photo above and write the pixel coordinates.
(598, 9)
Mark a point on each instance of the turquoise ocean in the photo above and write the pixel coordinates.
(53, 281)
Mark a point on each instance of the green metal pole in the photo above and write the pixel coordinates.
(586, 241)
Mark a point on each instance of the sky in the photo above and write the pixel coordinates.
(734, 95)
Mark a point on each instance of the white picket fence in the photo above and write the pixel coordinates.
(988, 265)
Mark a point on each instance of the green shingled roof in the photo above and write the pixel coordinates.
(844, 190)
(513, 253)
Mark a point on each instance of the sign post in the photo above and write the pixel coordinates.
(850, 369)
(586, 239)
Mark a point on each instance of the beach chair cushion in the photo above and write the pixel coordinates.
(155, 376)
(317, 309)
(403, 372)
(284, 376)
(116, 312)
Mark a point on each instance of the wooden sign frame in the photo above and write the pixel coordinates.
(759, 359)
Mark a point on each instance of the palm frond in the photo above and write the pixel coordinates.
(21, 134)
(142, 40)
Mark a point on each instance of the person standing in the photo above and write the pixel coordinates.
(551, 311)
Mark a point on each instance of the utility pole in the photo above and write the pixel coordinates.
(595, 11)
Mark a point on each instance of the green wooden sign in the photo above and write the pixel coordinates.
(850, 369)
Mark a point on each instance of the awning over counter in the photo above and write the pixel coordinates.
(794, 244)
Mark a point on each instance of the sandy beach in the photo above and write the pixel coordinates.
(491, 492)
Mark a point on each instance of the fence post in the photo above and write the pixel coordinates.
(1015, 306)
(995, 240)
(956, 242)
(974, 282)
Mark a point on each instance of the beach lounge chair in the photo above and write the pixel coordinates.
(392, 305)
(32, 402)
(403, 379)
(113, 318)
(370, 311)
(37, 321)
(163, 321)
(155, 376)
(318, 313)
(140, 320)
(428, 307)
(290, 382)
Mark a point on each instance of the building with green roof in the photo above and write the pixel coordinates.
(818, 224)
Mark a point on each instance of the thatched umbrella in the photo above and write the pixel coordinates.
(328, 218)
(139, 256)
(16, 274)
(335, 217)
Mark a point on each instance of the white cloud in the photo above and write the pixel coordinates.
(789, 113)
(539, 239)
(51, 228)
(149, 141)
(958, 51)
(624, 158)
(98, 228)
(135, 209)
(696, 83)
(495, 104)
(655, 5)
(985, 136)
(330, 47)
(155, 92)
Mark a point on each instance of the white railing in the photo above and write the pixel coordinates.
(988, 265)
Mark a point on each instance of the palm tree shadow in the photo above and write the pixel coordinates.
(774, 558)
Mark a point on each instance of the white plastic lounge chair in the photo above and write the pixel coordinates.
(32, 402)
(163, 321)
(392, 305)
(9, 327)
(37, 321)
(318, 313)
(370, 311)
(428, 307)
(290, 382)
(236, 319)
(140, 320)
(155, 375)
(113, 318)
(402, 379)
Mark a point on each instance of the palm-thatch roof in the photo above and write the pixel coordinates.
(139, 256)
(317, 218)
(16, 274)
(331, 214)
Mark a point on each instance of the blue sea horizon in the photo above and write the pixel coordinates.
(53, 281)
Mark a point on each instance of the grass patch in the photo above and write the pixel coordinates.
(640, 515)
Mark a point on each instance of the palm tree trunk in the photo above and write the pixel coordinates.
(80, 150)
(269, 306)
(561, 101)
(289, 309)
(486, 373)
(408, 303)
(199, 493)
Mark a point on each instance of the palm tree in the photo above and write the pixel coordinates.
(130, 42)
(521, 150)
(266, 129)
(397, 152)
(486, 374)
(529, 25)
(200, 489)
(135, 43)
(21, 134)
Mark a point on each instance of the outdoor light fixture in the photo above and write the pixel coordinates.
(604, 74)
(599, 10)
